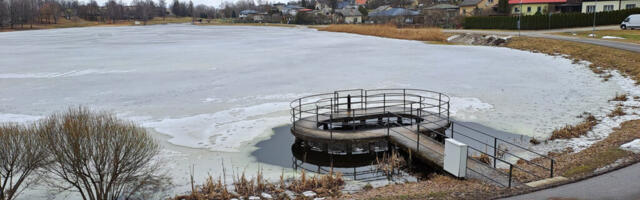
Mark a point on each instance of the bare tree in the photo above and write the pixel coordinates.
(162, 9)
(4, 13)
(21, 155)
(99, 155)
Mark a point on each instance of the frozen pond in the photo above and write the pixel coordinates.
(212, 92)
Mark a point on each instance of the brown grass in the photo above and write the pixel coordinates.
(617, 112)
(603, 58)
(598, 155)
(329, 185)
(64, 23)
(620, 97)
(484, 158)
(436, 187)
(573, 131)
(390, 31)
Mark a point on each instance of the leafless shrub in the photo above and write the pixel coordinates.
(21, 155)
(98, 155)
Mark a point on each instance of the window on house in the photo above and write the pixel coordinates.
(608, 7)
(591, 9)
(630, 6)
(490, 1)
(516, 10)
(539, 9)
(528, 8)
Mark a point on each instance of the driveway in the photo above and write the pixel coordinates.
(619, 184)
(548, 34)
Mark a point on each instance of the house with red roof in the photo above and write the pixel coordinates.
(532, 7)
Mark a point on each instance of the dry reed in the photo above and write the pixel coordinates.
(390, 31)
(573, 131)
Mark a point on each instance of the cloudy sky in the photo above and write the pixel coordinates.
(215, 3)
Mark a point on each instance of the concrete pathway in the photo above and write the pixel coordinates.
(548, 34)
(621, 184)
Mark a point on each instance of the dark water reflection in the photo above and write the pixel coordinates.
(281, 150)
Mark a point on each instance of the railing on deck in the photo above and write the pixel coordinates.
(426, 107)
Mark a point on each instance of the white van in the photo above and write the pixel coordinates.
(632, 22)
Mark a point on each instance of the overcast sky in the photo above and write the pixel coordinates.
(215, 3)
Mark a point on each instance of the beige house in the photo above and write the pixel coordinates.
(589, 6)
(473, 7)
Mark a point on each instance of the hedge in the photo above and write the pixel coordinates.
(535, 22)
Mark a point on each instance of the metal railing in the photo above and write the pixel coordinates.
(426, 108)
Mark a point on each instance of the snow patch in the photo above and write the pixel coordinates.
(611, 37)
(18, 118)
(225, 130)
(60, 74)
(460, 105)
(633, 146)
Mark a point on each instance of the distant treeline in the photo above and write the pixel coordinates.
(28, 12)
(536, 22)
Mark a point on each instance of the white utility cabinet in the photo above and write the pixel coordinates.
(455, 157)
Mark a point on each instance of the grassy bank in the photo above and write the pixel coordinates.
(64, 23)
(390, 31)
(568, 163)
(602, 58)
(631, 36)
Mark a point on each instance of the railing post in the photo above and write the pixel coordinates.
(404, 100)
(300, 107)
(293, 117)
(418, 143)
(317, 114)
(388, 125)
(551, 176)
(411, 113)
(349, 103)
(331, 127)
(361, 101)
(495, 151)
(510, 173)
(448, 120)
(384, 104)
(451, 130)
(440, 104)
(366, 97)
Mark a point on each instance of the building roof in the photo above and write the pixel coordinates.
(470, 2)
(349, 12)
(361, 2)
(246, 12)
(392, 12)
(443, 6)
(536, 1)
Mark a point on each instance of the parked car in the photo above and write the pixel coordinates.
(632, 22)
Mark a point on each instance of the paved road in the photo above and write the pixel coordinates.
(548, 34)
(621, 184)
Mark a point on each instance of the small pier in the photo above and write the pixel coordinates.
(357, 121)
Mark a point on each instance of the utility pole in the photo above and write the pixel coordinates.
(519, 18)
(595, 11)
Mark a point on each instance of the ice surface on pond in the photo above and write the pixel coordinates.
(220, 89)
